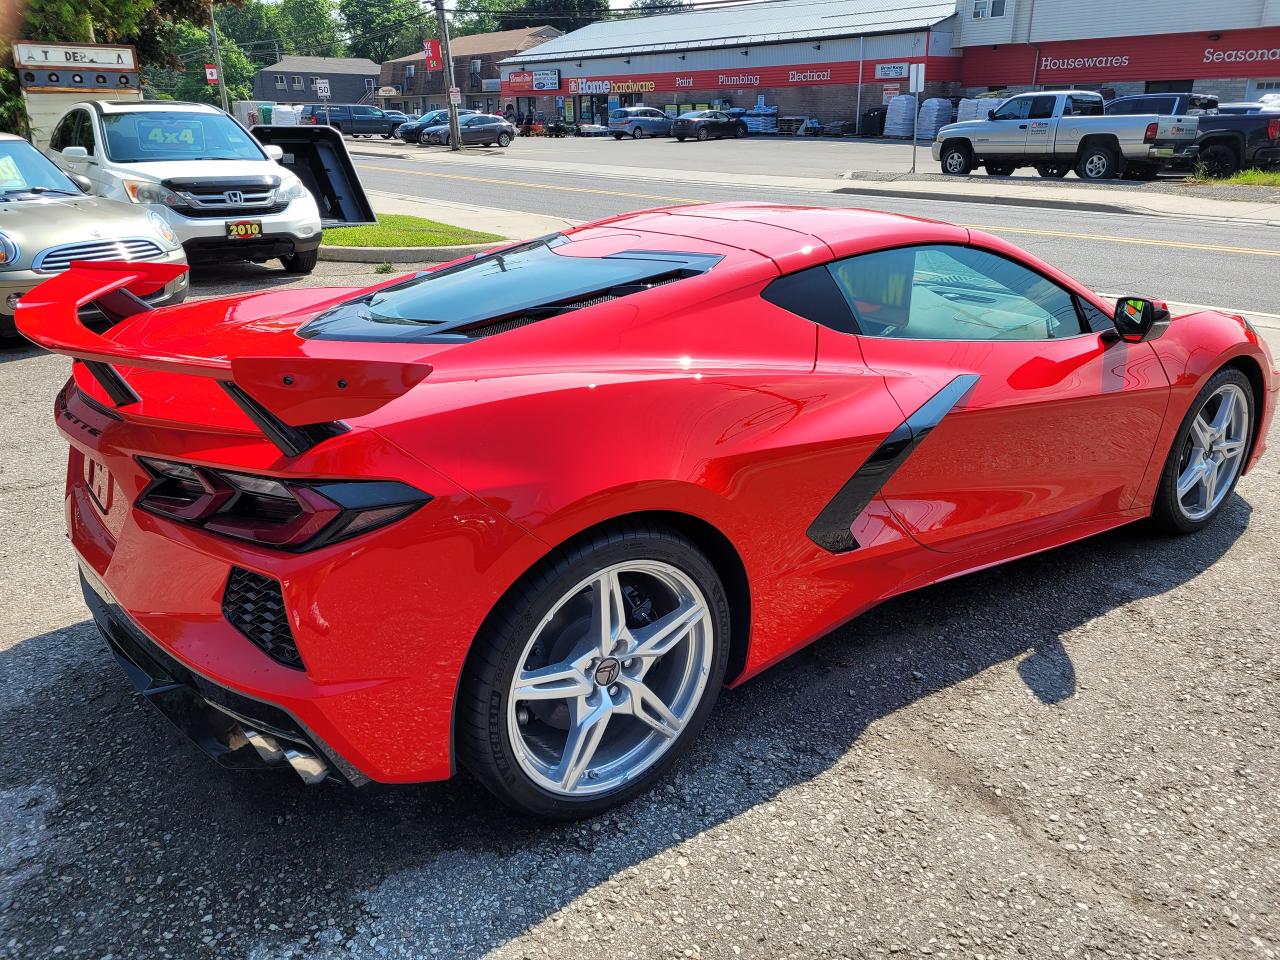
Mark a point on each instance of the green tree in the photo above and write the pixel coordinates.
(649, 8)
(566, 15)
(473, 16)
(193, 49)
(381, 29)
(310, 28)
(254, 26)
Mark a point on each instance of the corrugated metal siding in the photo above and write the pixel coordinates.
(773, 22)
(1085, 19)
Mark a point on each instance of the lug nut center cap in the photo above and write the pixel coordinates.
(607, 671)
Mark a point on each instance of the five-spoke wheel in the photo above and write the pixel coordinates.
(598, 672)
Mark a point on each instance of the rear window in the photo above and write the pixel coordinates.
(619, 115)
(693, 115)
(500, 291)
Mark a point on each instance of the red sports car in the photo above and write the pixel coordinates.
(529, 511)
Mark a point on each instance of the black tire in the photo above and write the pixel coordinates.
(617, 136)
(739, 132)
(957, 160)
(680, 139)
(1053, 171)
(704, 135)
(999, 169)
(636, 133)
(504, 139)
(1143, 172)
(1219, 161)
(1166, 514)
(301, 262)
(483, 739)
(1097, 162)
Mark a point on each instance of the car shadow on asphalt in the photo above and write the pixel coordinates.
(143, 837)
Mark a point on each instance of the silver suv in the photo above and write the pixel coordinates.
(637, 122)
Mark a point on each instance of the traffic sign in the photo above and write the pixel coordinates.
(322, 88)
(916, 77)
(455, 96)
(210, 73)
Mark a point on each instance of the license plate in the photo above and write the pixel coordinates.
(101, 487)
(244, 229)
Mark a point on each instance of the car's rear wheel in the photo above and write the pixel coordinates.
(704, 134)
(1219, 161)
(595, 673)
(617, 136)
(1097, 163)
(680, 139)
(1208, 454)
(999, 169)
(1053, 171)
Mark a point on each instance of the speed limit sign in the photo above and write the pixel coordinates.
(322, 88)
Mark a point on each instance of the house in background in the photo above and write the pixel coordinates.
(293, 80)
(475, 67)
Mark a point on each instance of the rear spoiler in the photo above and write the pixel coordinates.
(297, 401)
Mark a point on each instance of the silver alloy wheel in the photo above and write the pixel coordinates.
(955, 162)
(1095, 166)
(1214, 451)
(610, 677)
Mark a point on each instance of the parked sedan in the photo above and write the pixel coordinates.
(411, 131)
(47, 222)
(637, 122)
(482, 128)
(707, 124)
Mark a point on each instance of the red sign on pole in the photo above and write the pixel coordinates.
(210, 73)
(435, 60)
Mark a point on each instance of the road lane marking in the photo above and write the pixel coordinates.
(1025, 231)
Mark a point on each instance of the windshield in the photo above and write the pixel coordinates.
(25, 169)
(526, 282)
(177, 135)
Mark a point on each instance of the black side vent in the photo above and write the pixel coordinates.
(489, 327)
(254, 605)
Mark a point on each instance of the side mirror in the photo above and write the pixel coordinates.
(81, 181)
(1138, 320)
(273, 152)
(991, 114)
(75, 154)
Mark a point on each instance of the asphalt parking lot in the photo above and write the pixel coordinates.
(1071, 756)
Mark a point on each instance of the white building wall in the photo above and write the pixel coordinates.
(1032, 21)
(845, 50)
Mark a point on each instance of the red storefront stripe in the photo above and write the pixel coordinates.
(942, 69)
(1182, 56)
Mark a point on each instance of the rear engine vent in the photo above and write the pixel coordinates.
(489, 327)
(254, 605)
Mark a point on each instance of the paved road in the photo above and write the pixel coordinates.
(1194, 261)
(1074, 756)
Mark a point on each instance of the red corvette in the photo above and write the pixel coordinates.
(529, 511)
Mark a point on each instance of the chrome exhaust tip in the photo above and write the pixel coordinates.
(268, 747)
(308, 766)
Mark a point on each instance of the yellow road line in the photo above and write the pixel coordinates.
(1028, 231)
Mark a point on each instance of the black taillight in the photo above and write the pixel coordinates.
(287, 514)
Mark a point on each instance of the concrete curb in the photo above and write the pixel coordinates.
(405, 254)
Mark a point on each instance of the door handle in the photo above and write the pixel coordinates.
(1022, 126)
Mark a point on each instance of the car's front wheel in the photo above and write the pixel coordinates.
(1208, 454)
(504, 139)
(303, 262)
(957, 159)
(595, 672)
(636, 133)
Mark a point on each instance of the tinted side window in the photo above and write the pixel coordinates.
(84, 133)
(63, 132)
(812, 294)
(1041, 108)
(947, 292)
(1084, 107)
(1015, 109)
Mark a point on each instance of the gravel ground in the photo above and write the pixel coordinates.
(1071, 756)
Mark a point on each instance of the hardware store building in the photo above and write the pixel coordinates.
(830, 61)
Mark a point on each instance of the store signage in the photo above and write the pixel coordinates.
(490, 85)
(589, 86)
(43, 56)
(1258, 54)
(521, 80)
(738, 80)
(892, 71)
(1082, 63)
(809, 76)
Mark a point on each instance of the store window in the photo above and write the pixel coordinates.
(1169, 86)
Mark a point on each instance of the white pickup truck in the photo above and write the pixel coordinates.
(1062, 131)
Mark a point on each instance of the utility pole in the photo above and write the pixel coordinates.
(455, 136)
(217, 60)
